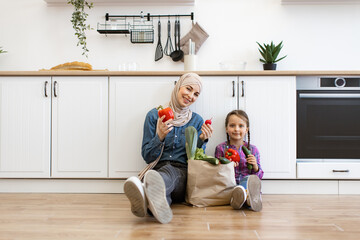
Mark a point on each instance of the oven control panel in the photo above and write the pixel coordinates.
(339, 82)
(328, 82)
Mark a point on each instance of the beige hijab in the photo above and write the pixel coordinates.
(183, 115)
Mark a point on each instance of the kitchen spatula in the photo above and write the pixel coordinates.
(159, 50)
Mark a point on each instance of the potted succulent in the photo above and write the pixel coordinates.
(270, 53)
(2, 51)
(78, 21)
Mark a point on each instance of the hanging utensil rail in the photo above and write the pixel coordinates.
(148, 16)
(140, 27)
(122, 24)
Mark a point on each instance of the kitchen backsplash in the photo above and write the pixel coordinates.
(315, 37)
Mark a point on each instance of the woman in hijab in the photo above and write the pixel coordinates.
(164, 145)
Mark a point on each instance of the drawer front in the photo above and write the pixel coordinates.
(328, 170)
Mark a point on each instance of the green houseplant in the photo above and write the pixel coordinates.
(2, 51)
(78, 20)
(270, 53)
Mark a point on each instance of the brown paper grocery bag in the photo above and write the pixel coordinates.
(209, 185)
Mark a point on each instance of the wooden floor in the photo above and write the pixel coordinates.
(108, 216)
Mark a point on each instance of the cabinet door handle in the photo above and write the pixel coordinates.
(55, 92)
(233, 85)
(175, 82)
(242, 89)
(45, 88)
(346, 170)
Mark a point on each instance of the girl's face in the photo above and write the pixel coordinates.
(236, 128)
(188, 94)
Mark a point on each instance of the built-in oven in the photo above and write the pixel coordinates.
(328, 118)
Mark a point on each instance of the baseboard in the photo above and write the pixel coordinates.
(349, 187)
(300, 186)
(116, 186)
(60, 186)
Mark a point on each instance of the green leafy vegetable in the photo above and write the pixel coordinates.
(199, 154)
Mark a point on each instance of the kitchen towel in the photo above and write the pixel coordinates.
(197, 34)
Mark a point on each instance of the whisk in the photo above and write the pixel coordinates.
(168, 47)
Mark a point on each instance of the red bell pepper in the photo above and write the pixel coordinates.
(169, 114)
(232, 155)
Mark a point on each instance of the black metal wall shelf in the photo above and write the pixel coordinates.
(149, 16)
(140, 23)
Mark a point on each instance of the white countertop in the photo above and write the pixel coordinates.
(178, 73)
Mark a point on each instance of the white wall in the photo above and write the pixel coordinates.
(316, 37)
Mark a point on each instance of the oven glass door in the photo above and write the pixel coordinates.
(328, 124)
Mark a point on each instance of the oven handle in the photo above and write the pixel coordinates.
(347, 170)
(329, 95)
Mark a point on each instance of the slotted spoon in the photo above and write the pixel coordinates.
(159, 50)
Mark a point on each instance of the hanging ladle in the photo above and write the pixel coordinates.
(178, 54)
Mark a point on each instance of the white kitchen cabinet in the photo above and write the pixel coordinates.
(25, 104)
(270, 102)
(218, 98)
(271, 105)
(328, 170)
(318, 2)
(130, 100)
(60, 122)
(79, 127)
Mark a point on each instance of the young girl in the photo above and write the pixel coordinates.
(248, 187)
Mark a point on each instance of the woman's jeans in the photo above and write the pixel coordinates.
(175, 176)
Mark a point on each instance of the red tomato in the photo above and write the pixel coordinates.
(208, 121)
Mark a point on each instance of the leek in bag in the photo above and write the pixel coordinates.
(194, 153)
(191, 137)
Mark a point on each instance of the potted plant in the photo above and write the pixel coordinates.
(78, 20)
(270, 53)
(2, 51)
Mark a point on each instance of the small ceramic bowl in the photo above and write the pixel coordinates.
(232, 65)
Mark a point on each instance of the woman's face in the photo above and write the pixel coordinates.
(188, 94)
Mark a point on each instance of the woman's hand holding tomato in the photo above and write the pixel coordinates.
(163, 128)
(206, 130)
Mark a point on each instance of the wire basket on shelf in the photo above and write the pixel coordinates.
(142, 31)
(117, 26)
